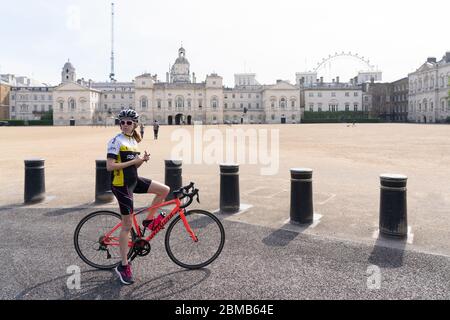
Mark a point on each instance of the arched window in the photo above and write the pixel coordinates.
(283, 103)
(71, 104)
(179, 103)
(214, 103)
(144, 103)
(83, 103)
(292, 103)
(272, 102)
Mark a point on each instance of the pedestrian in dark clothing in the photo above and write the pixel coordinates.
(155, 129)
(141, 126)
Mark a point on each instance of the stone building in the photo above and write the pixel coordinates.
(75, 102)
(4, 100)
(428, 91)
(30, 103)
(178, 100)
(335, 96)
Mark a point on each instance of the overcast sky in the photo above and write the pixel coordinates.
(274, 39)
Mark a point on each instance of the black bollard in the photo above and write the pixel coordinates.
(229, 188)
(34, 181)
(103, 193)
(393, 211)
(301, 196)
(173, 178)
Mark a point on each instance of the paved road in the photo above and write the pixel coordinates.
(257, 263)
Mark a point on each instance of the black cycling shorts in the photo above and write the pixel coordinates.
(124, 195)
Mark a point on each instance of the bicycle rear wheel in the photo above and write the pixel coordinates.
(193, 255)
(90, 242)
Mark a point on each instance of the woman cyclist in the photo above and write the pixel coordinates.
(124, 160)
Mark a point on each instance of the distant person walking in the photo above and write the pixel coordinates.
(155, 129)
(141, 127)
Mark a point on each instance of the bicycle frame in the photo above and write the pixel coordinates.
(114, 241)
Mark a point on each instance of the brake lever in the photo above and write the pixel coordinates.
(188, 187)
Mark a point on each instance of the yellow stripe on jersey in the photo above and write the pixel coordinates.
(128, 148)
(118, 180)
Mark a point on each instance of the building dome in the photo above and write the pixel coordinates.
(181, 57)
(180, 69)
(68, 65)
(68, 73)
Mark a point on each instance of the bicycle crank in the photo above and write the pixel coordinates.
(141, 247)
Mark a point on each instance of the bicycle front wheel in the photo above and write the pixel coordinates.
(93, 246)
(190, 254)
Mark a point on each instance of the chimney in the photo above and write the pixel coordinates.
(321, 80)
(447, 57)
(431, 59)
(167, 77)
(337, 79)
(193, 77)
(333, 80)
(90, 82)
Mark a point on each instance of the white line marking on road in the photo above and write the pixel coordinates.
(333, 195)
(273, 195)
(253, 190)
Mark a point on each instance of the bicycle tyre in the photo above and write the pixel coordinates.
(178, 223)
(83, 254)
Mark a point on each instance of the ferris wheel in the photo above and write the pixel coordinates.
(352, 56)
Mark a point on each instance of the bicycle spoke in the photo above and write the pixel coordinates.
(88, 239)
(188, 253)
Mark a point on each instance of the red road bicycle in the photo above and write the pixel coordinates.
(193, 240)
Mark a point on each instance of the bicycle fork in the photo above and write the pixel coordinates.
(187, 226)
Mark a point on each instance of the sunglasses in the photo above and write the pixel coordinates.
(129, 123)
